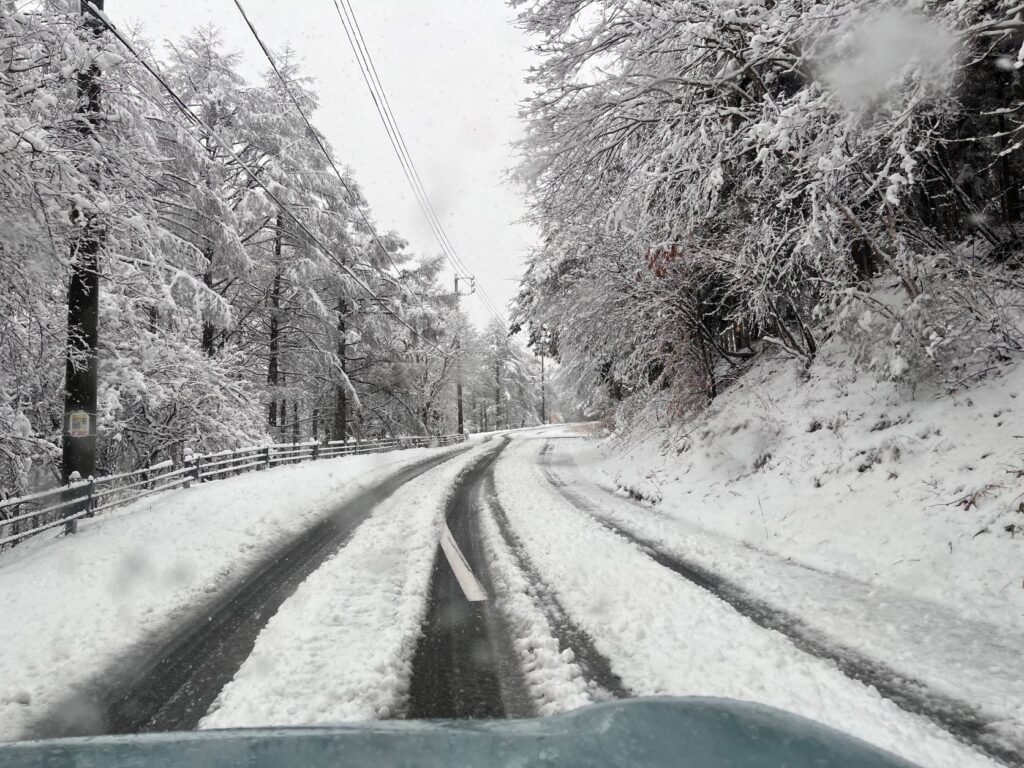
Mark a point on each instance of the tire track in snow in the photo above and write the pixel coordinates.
(175, 688)
(962, 720)
(595, 666)
(465, 665)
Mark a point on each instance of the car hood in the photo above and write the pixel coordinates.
(655, 732)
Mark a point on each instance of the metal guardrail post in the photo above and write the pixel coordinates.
(80, 499)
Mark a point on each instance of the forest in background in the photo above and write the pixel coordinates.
(716, 178)
(245, 293)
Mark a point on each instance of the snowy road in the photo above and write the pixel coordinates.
(465, 664)
(586, 597)
(194, 664)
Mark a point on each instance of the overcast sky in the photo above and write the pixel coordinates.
(453, 71)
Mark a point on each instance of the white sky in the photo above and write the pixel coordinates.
(453, 72)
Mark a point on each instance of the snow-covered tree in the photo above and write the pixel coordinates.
(713, 177)
(245, 295)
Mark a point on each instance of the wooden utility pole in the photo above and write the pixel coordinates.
(273, 366)
(543, 401)
(458, 359)
(82, 362)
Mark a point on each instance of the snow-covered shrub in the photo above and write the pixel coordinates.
(960, 323)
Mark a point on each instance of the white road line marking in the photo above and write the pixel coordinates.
(464, 575)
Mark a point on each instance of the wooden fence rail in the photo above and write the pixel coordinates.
(33, 513)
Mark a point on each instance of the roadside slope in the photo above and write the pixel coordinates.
(962, 672)
(916, 489)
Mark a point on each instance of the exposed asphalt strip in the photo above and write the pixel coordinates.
(173, 686)
(964, 721)
(465, 665)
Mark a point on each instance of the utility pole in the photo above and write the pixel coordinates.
(543, 403)
(458, 359)
(81, 367)
(542, 348)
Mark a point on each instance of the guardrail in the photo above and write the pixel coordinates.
(34, 513)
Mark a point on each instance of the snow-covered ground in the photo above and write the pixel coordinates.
(919, 491)
(970, 660)
(341, 647)
(71, 607)
(664, 635)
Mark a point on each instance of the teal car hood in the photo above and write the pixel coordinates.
(655, 732)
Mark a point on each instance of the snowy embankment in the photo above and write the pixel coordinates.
(72, 607)
(967, 660)
(341, 647)
(917, 491)
(665, 635)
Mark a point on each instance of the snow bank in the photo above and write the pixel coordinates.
(918, 491)
(71, 607)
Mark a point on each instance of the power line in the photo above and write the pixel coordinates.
(383, 111)
(369, 72)
(319, 142)
(388, 112)
(190, 115)
(395, 131)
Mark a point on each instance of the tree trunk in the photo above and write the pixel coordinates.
(275, 341)
(1011, 194)
(340, 392)
(497, 395)
(208, 329)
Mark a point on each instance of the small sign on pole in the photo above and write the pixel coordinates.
(78, 424)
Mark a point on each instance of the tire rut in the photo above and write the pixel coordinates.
(594, 665)
(959, 718)
(465, 665)
(172, 687)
